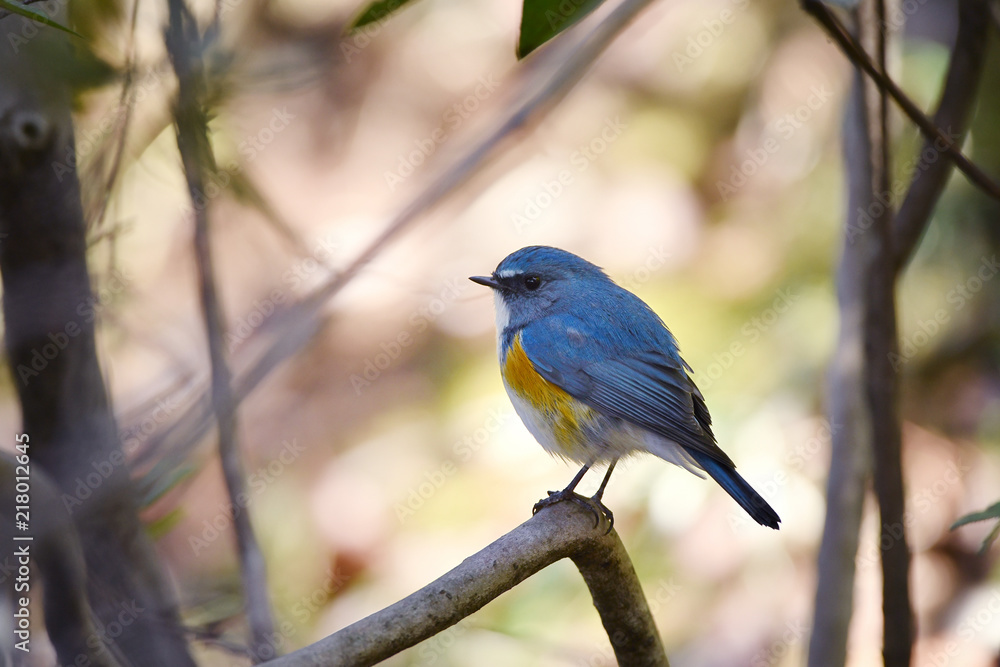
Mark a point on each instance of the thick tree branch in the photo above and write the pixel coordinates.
(829, 21)
(954, 112)
(184, 45)
(50, 337)
(564, 530)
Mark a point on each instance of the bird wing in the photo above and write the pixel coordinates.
(648, 386)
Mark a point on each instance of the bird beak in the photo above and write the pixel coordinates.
(488, 281)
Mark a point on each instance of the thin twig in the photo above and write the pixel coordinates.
(183, 44)
(857, 55)
(125, 103)
(564, 530)
(954, 112)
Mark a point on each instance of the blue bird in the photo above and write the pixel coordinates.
(595, 375)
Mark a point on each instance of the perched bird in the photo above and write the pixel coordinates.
(595, 375)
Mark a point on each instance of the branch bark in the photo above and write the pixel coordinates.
(563, 530)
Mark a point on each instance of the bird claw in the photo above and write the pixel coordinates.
(593, 505)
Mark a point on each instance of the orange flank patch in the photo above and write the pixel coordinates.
(565, 415)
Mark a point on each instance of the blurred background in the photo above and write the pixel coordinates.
(699, 162)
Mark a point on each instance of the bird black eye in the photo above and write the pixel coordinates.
(532, 282)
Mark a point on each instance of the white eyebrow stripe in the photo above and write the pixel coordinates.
(507, 274)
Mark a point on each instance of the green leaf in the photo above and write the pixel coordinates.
(990, 539)
(35, 15)
(541, 20)
(376, 11)
(991, 512)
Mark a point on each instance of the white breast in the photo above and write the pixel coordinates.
(502, 319)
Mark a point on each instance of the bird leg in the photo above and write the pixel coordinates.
(600, 492)
(589, 503)
(596, 498)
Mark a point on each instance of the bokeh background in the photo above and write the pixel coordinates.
(699, 162)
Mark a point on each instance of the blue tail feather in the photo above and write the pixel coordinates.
(739, 489)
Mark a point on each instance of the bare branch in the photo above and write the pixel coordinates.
(564, 530)
(184, 46)
(954, 112)
(931, 131)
